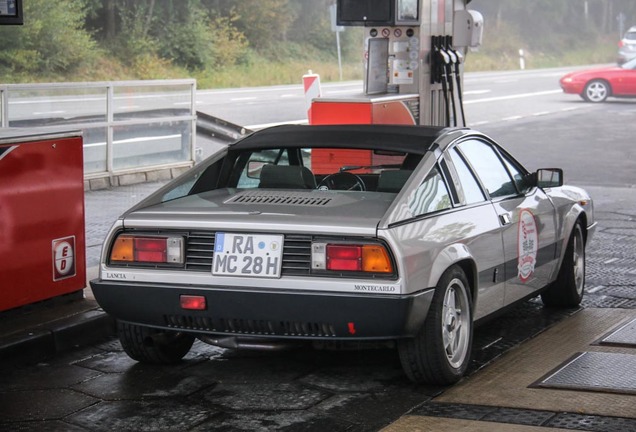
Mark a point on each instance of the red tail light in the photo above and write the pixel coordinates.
(344, 257)
(370, 258)
(621, 44)
(147, 249)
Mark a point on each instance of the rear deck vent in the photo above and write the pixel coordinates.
(280, 198)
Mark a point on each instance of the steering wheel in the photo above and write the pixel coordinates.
(342, 181)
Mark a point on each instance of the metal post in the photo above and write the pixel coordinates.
(110, 116)
(193, 113)
(4, 105)
(339, 55)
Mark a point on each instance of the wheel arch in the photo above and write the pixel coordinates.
(575, 215)
(459, 255)
(470, 270)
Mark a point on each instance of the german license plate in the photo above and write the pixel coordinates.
(250, 255)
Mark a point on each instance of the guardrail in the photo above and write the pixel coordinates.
(129, 127)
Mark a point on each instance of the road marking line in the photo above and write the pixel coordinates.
(289, 96)
(342, 91)
(476, 92)
(542, 113)
(48, 112)
(517, 96)
(512, 118)
(479, 123)
(570, 109)
(135, 140)
(266, 125)
(242, 99)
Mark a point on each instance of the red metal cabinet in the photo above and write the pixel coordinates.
(42, 241)
(401, 109)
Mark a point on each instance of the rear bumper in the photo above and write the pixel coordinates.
(266, 313)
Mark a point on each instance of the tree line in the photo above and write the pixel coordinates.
(66, 36)
(541, 22)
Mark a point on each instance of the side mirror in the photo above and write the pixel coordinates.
(549, 177)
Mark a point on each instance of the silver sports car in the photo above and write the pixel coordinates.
(332, 234)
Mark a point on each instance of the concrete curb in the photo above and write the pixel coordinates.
(40, 331)
(46, 340)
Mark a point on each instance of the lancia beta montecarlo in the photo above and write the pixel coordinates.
(344, 233)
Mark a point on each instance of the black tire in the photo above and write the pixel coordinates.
(440, 352)
(154, 346)
(596, 91)
(567, 290)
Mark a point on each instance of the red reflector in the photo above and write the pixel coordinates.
(344, 257)
(193, 302)
(150, 249)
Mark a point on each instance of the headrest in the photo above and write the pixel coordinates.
(287, 177)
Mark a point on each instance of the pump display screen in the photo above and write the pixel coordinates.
(10, 12)
(407, 10)
(364, 12)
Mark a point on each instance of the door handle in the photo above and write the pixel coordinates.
(504, 219)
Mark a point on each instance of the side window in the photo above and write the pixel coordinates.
(472, 191)
(493, 174)
(431, 196)
(517, 175)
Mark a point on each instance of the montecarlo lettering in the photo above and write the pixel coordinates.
(375, 288)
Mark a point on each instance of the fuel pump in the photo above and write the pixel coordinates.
(413, 55)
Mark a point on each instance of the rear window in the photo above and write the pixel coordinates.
(630, 36)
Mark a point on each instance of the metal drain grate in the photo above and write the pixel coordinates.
(624, 336)
(594, 371)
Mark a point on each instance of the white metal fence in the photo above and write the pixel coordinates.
(127, 125)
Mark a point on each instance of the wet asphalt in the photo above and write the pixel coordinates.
(96, 387)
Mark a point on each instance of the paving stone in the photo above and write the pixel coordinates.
(264, 396)
(279, 421)
(41, 426)
(144, 381)
(45, 376)
(32, 405)
(166, 415)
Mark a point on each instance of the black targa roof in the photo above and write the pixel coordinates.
(407, 139)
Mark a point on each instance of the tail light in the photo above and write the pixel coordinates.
(147, 249)
(621, 44)
(368, 258)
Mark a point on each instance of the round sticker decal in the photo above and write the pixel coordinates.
(528, 245)
(63, 258)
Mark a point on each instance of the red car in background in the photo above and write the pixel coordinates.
(596, 85)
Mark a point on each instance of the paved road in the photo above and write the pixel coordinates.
(489, 97)
(99, 388)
